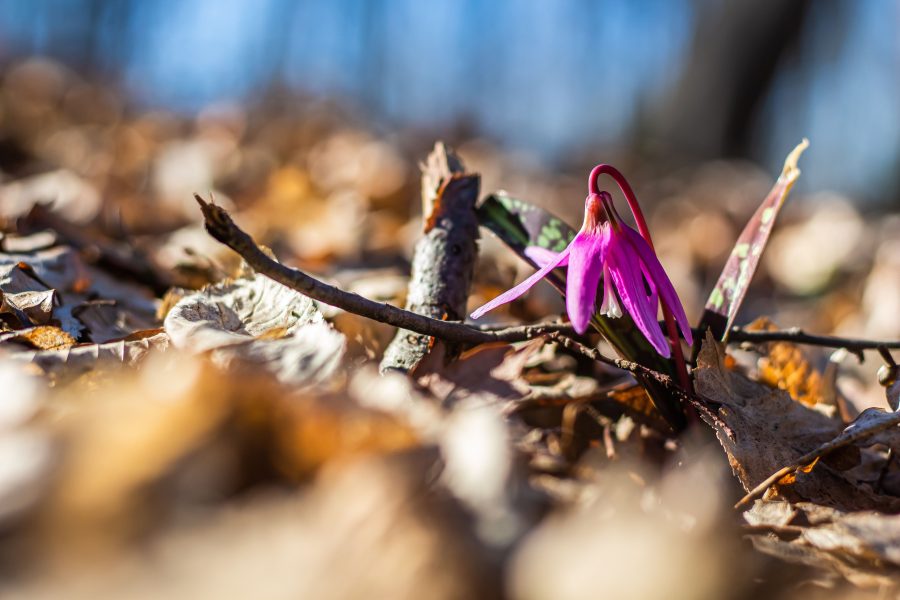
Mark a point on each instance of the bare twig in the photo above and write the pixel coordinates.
(620, 363)
(798, 336)
(845, 439)
(220, 225)
(738, 335)
(544, 327)
(643, 373)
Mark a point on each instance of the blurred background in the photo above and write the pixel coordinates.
(308, 121)
(560, 82)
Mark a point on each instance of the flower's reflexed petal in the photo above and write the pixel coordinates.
(653, 297)
(610, 306)
(541, 256)
(625, 268)
(585, 268)
(657, 274)
(512, 294)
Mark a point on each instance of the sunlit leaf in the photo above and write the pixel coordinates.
(785, 365)
(258, 323)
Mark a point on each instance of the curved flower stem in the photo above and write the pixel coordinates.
(630, 197)
(641, 222)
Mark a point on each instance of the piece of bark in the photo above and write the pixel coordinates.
(444, 259)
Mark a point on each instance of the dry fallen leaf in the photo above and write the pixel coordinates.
(308, 432)
(786, 366)
(59, 268)
(81, 358)
(257, 322)
(622, 540)
(42, 337)
(30, 308)
(864, 547)
(491, 371)
(65, 192)
(27, 452)
(764, 429)
(364, 529)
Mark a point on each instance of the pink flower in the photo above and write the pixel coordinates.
(633, 279)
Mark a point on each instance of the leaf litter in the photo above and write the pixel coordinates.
(175, 425)
(255, 322)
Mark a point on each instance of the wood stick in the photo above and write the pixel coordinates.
(444, 258)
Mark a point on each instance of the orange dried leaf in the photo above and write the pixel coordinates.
(311, 433)
(637, 403)
(786, 367)
(46, 337)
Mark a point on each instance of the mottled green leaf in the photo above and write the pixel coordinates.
(728, 294)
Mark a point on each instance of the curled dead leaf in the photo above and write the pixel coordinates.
(30, 308)
(256, 322)
(767, 429)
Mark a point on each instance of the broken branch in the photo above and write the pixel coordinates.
(221, 227)
(444, 257)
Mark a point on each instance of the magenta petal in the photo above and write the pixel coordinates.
(653, 298)
(625, 268)
(512, 294)
(585, 269)
(542, 256)
(664, 286)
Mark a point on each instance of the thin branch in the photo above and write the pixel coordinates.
(544, 327)
(521, 333)
(737, 335)
(798, 336)
(619, 363)
(700, 404)
(220, 226)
